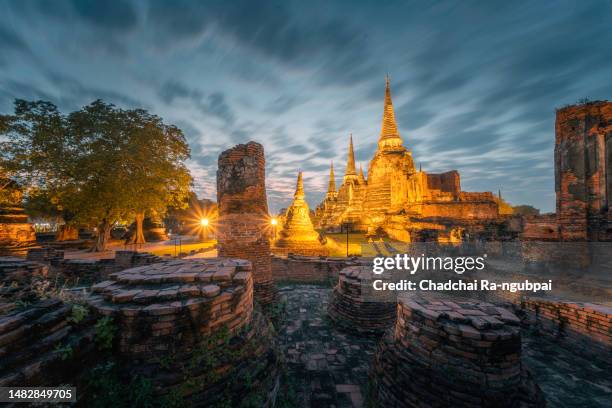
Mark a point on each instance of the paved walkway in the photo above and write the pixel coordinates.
(329, 368)
(326, 367)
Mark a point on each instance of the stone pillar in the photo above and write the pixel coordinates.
(582, 170)
(243, 226)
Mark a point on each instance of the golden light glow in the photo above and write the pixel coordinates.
(274, 221)
(204, 222)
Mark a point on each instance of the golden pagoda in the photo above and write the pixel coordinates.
(397, 200)
(298, 235)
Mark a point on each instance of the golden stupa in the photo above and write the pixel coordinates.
(298, 235)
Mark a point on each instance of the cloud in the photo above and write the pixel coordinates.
(213, 104)
(475, 87)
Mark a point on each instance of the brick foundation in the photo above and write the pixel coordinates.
(198, 315)
(349, 309)
(452, 353)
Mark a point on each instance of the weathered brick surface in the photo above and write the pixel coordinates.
(310, 269)
(446, 352)
(584, 327)
(243, 226)
(30, 345)
(583, 158)
(16, 278)
(189, 327)
(350, 309)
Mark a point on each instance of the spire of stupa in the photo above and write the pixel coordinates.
(350, 161)
(389, 135)
(299, 188)
(331, 188)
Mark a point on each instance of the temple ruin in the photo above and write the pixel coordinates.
(243, 226)
(298, 235)
(16, 232)
(399, 201)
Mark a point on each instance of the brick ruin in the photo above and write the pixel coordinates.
(189, 327)
(453, 353)
(351, 310)
(243, 226)
(583, 172)
(16, 233)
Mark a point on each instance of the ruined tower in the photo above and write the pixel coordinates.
(243, 230)
(583, 171)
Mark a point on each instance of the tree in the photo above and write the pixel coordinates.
(100, 163)
(526, 210)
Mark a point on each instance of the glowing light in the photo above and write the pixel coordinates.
(274, 221)
(204, 222)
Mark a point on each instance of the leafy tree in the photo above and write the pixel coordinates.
(525, 210)
(101, 164)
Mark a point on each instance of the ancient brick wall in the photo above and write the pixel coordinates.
(583, 171)
(243, 226)
(448, 182)
(305, 269)
(585, 327)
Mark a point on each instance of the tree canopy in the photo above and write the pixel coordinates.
(101, 163)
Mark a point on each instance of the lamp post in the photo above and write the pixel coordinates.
(347, 226)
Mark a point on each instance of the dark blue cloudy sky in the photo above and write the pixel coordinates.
(475, 83)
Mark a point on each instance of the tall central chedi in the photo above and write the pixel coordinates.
(390, 160)
(298, 235)
(399, 201)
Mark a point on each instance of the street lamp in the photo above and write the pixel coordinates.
(204, 223)
(274, 222)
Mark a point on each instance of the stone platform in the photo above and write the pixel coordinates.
(444, 352)
(350, 310)
(190, 328)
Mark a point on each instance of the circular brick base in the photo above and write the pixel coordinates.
(445, 353)
(189, 327)
(349, 310)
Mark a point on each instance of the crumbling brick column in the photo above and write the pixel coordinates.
(243, 225)
(583, 165)
(452, 353)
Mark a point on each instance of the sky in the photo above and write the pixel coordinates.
(475, 84)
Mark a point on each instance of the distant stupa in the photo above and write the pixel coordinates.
(298, 235)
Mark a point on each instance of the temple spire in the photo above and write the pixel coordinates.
(331, 188)
(389, 135)
(299, 188)
(350, 162)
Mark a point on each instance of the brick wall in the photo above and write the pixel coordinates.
(586, 327)
(305, 269)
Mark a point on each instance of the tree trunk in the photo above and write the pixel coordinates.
(67, 232)
(104, 230)
(138, 237)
